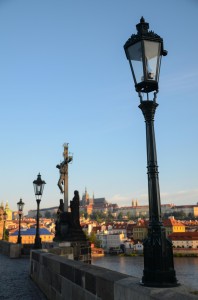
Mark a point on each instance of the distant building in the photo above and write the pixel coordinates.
(15, 215)
(100, 205)
(140, 230)
(1, 220)
(189, 210)
(171, 226)
(86, 199)
(138, 248)
(143, 210)
(119, 227)
(135, 203)
(184, 239)
(90, 205)
(108, 240)
(43, 211)
(8, 211)
(130, 227)
(135, 211)
(28, 236)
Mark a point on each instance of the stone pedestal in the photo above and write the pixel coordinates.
(67, 229)
(78, 250)
(70, 240)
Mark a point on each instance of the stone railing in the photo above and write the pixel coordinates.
(10, 249)
(60, 278)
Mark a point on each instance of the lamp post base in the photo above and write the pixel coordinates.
(158, 279)
(158, 259)
(37, 243)
(19, 240)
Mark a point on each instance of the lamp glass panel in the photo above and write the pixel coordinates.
(38, 189)
(152, 60)
(21, 207)
(135, 56)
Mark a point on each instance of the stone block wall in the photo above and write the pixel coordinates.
(10, 249)
(60, 278)
(73, 250)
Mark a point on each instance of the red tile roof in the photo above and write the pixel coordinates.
(172, 222)
(178, 236)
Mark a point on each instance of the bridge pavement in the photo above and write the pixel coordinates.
(15, 282)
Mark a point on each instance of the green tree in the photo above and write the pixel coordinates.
(109, 217)
(94, 240)
(7, 234)
(54, 215)
(93, 216)
(98, 216)
(120, 216)
(97, 243)
(48, 214)
(86, 215)
(129, 216)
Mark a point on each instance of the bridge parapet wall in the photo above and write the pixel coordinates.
(10, 249)
(60, 278)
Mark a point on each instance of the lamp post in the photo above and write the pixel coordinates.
(20, 206)
(144, 51)
(38, 190)
(4, 222)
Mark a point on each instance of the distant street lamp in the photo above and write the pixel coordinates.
(144, 51)
(38, 190)
(4, 223)
(20, 206)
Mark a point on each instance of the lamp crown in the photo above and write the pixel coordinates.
(144, 50)
(38, 186)
(142, 27)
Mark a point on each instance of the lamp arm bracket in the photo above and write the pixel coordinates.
(140, 96)
(155, 96)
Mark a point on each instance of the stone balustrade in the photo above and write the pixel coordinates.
(10, 249)
(61, 278)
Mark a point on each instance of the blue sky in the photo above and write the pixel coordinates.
(64, 77)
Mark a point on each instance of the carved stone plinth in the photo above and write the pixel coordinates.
(67, 230)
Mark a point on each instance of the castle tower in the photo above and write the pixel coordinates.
(85, 198)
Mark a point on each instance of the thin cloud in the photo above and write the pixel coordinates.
(182, 197)
(179, 81)
(120, 200)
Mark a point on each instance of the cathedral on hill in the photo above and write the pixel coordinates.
(90, 205)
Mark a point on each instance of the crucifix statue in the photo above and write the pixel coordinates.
(63, 179)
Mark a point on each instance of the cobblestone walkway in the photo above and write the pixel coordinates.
(15, 282)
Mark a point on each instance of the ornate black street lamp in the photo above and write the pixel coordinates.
(144, 51)
(38, 190)
(4, 224)
(20, 206)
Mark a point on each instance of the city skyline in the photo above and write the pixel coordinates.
(136, 203)
(65, 78)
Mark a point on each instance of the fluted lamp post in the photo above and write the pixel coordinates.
(20, 206)
(38, 190)
(4, 224)
(144, 51)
